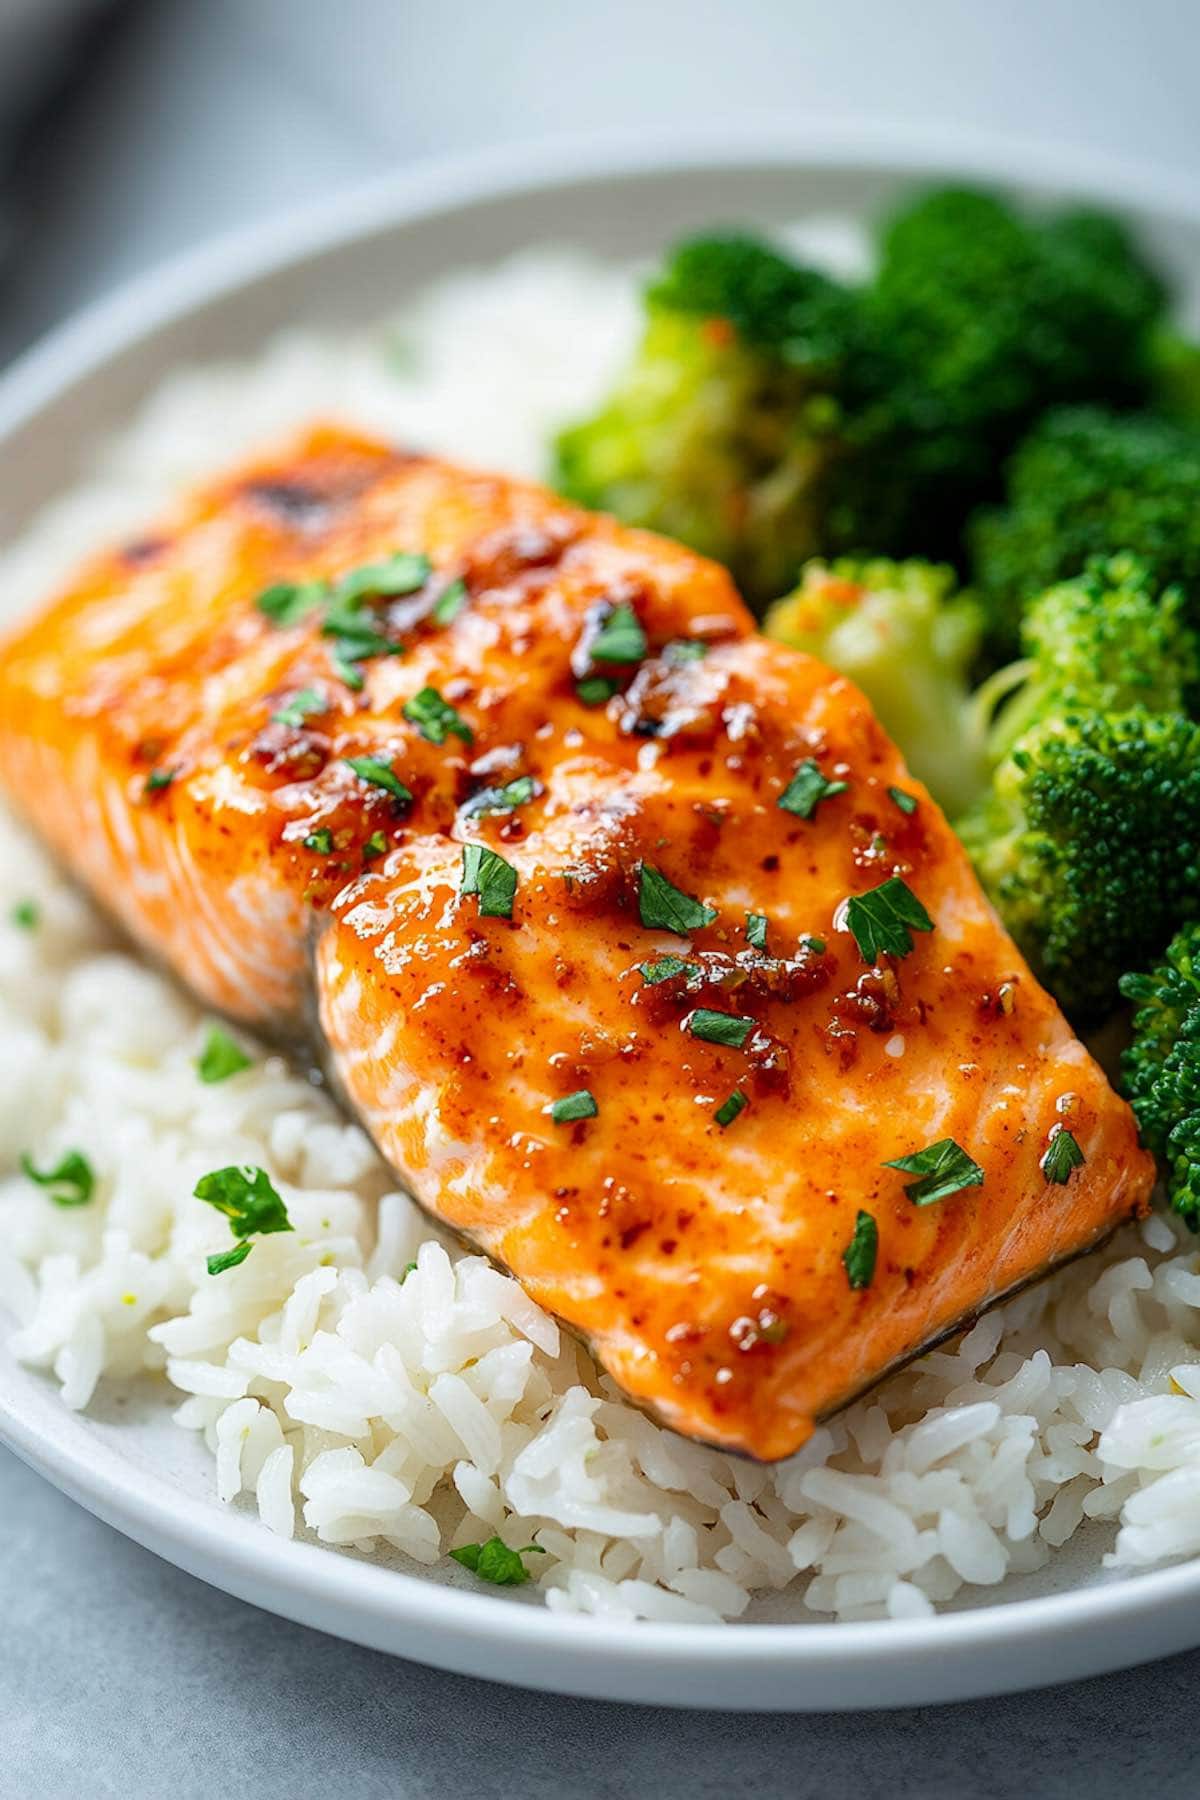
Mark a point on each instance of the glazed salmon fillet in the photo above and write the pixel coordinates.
(626, 933)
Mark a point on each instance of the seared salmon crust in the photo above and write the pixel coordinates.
(626, 933)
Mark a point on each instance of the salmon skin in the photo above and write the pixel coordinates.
(626, 933)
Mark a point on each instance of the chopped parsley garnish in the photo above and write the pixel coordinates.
(756, 930)
(806, 790)
(287, 602)
(378, 774)
(730, 1029)
(375, 846)
(450, 603)
(816, 945)
(159, 780)
(410, 1268)
(860, 1253)
(71, 1182)
(247, 1197)
(685, 650)
(320, 840)
(1062, 1157)
(580, 1105)
(942, 1169)
(666, 967)
(435, 718)
(402, 573)
(620, 639)
(221, 1057)
(356, 640)
(883, 919)
(221, 1260)
(304, 705)
(495, 1562)
(664, 907)
(346, 670)
(517, 792)
(26, 915)
(906, 802)
(596, 689)
(728, 1112)
(494, 880)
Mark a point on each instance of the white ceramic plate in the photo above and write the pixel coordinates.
(343, 266)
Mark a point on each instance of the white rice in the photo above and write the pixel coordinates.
(384, 1411)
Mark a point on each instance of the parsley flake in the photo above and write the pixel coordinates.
(345, 668)
(378, 774)
(665, 968)
(883, 919)
(664, 907)
(580, 1105)
(943, 1169)
(517, 792)
(287, 602)
(685, 650)
(860, 1253)
(320, 840)
(159, 780)
(450, 603)
(728, 1112)
(730, 1029)
(495, 1562)
(249, 1200)
(620, 639)
(402, 573)
(495, 881)
(435, 718)
(806, 790)
(26, 915)
(221, 1057)
(228, 1259)
(907, 803)
(596, 689)
(756, 930)
(71, 1182)
(304, 705)
(1062, 1157)
(375, 846)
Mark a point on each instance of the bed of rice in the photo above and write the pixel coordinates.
(413, 1412)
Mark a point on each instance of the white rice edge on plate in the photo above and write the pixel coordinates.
(413, 1410)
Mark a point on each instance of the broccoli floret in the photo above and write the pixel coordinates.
(725, 428)
(1090, 483)
(900, 632)
(1089, 844)
(1106, 641)
(770, 414)
(1161, 1068)
(986, 318)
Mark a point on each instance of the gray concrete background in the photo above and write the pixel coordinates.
(118, 1674)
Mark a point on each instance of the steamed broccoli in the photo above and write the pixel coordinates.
(1089, 843)
(1107, 640)
(770, 414)
(1161, 1068)
(898, 630)
(1085, 483)
(986, 318)
(725, 428)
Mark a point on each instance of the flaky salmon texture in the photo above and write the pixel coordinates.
(626, 933)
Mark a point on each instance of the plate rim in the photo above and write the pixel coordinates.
(305, 1580)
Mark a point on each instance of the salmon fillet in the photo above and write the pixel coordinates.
(626, 933)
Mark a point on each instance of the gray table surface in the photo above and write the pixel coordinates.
(118, 1674)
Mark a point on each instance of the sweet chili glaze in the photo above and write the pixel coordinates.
(703, 1261)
